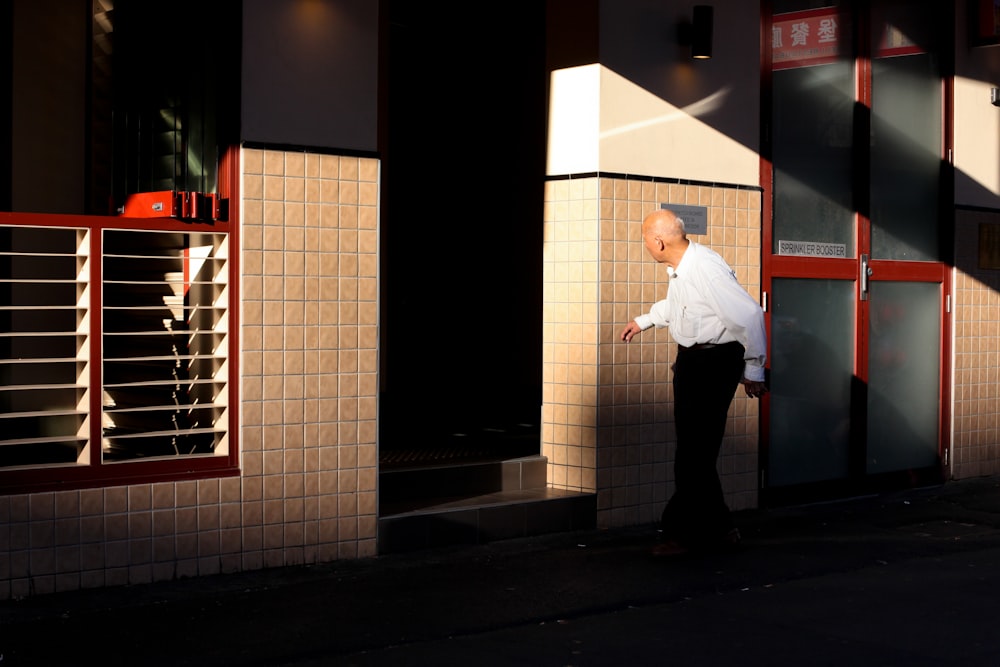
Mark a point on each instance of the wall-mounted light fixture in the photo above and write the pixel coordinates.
(995, 97)
(701, 32)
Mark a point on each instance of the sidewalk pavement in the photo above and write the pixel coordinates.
(909, 578)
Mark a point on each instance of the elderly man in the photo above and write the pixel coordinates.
(719, 330)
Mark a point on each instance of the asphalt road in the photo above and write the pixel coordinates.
(910, 578)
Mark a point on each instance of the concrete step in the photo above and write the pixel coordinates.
(475, 503)
(486, 518)
(408, 489)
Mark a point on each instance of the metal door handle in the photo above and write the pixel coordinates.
(866, 272)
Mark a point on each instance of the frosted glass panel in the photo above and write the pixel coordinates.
(813, 142)
(904, 372)
(906, 158)
(812, 332)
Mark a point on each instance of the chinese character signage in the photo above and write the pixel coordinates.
(805, 38)
(820, 36)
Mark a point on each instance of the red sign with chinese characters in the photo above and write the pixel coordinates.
(805, 38)
(816, 37)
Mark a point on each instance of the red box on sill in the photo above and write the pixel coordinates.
(161, 204)
(197, 206)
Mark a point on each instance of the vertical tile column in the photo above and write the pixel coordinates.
(569, 333)
(636, 399)
(608, 406)
(976, 394)
(309, 357)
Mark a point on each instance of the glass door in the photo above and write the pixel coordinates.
(854, 266)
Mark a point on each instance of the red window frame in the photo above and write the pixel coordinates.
(97, 473)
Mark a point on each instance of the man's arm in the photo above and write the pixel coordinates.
(743, 318)
(657, 316)
(630, 330)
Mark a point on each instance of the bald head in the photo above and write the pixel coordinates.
(663, 223)
(664, 236)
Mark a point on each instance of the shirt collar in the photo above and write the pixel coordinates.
(674, 271)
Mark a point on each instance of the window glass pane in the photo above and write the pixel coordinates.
(906, 135)
(165, 344)
(813, 128)
(812, 338)
(904, 376)
(44, 351)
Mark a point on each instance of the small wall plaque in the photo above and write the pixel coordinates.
(695, 217)
(989, 246)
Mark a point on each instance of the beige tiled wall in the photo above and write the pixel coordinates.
(976, 399)
(307, 492)
(607, 406)
(309, 357)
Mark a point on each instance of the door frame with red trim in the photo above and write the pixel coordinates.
(858, 270)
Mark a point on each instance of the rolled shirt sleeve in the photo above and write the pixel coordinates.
(658, 316)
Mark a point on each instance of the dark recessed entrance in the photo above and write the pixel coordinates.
(461, 236)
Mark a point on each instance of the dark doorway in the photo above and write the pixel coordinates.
(461, 233)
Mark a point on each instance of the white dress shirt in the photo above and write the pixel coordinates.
(705, 304)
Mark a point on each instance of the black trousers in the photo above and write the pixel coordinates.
(704, 383)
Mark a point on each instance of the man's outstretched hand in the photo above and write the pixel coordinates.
(630, 330)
